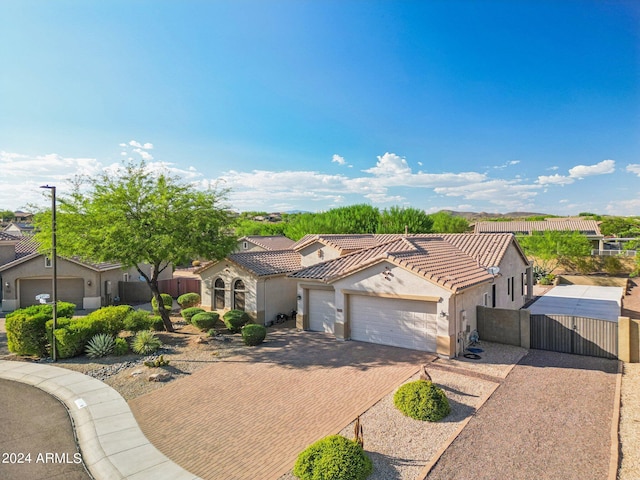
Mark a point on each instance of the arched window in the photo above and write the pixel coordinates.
(218, 294)
(238, 295)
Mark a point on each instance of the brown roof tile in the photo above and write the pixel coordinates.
(267, 262)
(275, 242)
(588, 227)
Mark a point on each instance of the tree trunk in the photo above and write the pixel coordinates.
(168, 326)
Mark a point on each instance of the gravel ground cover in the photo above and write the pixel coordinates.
(630, 423)
(551, 418)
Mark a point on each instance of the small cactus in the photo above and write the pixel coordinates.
(158, 362)
(100, 345)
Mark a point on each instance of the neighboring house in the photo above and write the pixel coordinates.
(254, 281)
(257, 243)
(21, 216)
(19, 229)
(415, 291)
(412, 291)
(589, 228)
(25, 273)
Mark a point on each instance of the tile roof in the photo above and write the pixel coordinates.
(454, 261)
(7, 237)
(26, 246)
(346, 243)
(588, 227)
(275, 242)
(273, 262)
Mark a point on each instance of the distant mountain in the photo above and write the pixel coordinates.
(479, 216)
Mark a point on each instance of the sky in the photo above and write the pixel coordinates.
(483, 105)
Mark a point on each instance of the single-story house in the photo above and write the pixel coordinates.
(589, 228)
(25, 273)
(258, 243)
(414, 291)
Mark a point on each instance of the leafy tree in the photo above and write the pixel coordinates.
(446, 223)
(139, 217)
(395, 219)
(246, 227)
(7, 215)
(551, 248)
(361, 218)
(620, 227)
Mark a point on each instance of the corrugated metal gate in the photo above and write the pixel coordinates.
(579, 335)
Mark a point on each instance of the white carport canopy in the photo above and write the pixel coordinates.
(581, 301)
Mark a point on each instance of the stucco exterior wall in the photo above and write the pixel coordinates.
(229, 273)
(317, 253)
(511, 266)
(275, 295)
(7, 252)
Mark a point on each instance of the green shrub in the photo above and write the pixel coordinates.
(333, 458)
(137, 320)
(613, 265)
(107, 319)
(167, 301)
(26, 334)
(121, 347)
(422, 400)
(235, 320)
(100, 345)
(253, 334)
(65, 309)
(205, 320)
(187, 300)
(157, 323)
(71, 339)
(145, 342)
(188, 313)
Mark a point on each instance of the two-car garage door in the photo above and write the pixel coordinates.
(392, 321)
(69, 290)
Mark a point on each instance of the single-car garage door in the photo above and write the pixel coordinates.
(396, 322)
(69, 290)
(322, 311)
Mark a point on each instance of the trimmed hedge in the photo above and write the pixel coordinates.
(205, 320)
(137, 320)
(187, 300)
(422, 400)
(334, 457)
(253, 334)
(64, 310)
(108, 319)
(157, 323)
(167, 301)
(188, 313)
(235, 320)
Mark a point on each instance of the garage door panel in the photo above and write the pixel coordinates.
(69, 290)
(322, 311)
(396, 322)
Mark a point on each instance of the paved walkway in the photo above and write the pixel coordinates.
(248, 417)
(111, 443)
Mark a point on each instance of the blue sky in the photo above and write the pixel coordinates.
(490, 106)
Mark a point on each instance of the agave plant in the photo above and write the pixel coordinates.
(100, 345)
(145, 342)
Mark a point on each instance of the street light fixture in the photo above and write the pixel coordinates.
(54, 268)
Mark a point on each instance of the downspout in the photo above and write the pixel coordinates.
(456, 322)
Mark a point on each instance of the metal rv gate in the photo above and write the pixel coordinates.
(579, 335)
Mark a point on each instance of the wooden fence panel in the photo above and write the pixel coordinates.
(179, 285)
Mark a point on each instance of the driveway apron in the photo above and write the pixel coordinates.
(249, 416)
(551, 419)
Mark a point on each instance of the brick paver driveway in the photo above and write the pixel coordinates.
(249, 416)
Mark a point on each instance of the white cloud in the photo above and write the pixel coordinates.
(629, 207)
(634, 168)
(390, 164)
(133, 143)
(338, 159)
(504, 193)
(148, 146)
(601, 168)
(146, 156)
(554, 180)
(554, 168)
(382, 198)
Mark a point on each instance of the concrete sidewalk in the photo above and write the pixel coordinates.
(111, 443)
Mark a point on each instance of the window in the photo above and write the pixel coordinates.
(513, 288)
(245, 245)
(485, 300)
(218, 294)
(522, 281)
(238, 295)
(47, 262)
(493, 296)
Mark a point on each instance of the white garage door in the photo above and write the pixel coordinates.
(395, 322)
(322, 310)
(69, 290)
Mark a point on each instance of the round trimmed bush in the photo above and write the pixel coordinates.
(157, 323)
(334, 457)
(205, 320)
(235, 320)
(137, 320)
(188, 313)
(187, 300)
(253, 334)
(167, 301)
(26, 334)
(422, 400)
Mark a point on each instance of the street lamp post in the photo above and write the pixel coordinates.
(54, 266)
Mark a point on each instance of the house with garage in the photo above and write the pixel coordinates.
(411, 291)
(25, 273)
